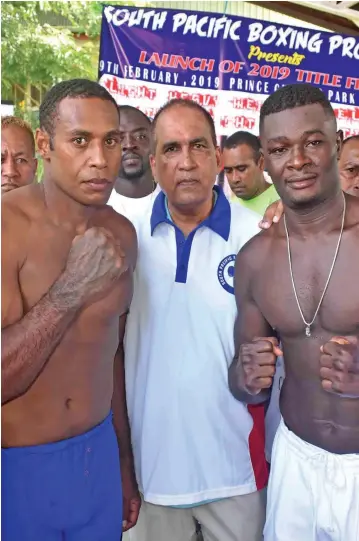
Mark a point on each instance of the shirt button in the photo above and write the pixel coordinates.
(86, 472)
(88, 449)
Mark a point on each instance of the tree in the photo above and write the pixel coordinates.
(40, 42)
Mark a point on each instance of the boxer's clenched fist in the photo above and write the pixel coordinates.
(256, 364)
(339, 366)
(95, 262)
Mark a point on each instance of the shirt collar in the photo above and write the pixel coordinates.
(219, 220)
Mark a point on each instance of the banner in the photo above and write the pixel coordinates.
(227, 64)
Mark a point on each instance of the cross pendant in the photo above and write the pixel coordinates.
(307, 330)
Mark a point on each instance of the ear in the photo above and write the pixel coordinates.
(35, 165)
(219, 160)
(261, 162)
(339, 143)
(153, 165)
(43, 144)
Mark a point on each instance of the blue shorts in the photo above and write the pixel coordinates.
(64, 491)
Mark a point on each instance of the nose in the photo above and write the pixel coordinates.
(128, 142)
(298, 158)
(9, 168)
(98, 158)
(236, 176)
(187, 162)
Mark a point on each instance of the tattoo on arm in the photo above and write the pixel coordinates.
(28, 344)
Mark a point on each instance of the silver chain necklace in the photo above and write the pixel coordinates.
(307, 323)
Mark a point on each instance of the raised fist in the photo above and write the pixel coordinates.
(256, 364)
(94, 263)
(339, 366)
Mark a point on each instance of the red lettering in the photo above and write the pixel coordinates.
(155, 59)
(350, 81)
(224, 120)
(142, 59)
(336, 80)
(226, 66)
(192, 64)
(238, 66)
(207, 65)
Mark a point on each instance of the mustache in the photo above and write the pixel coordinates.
(130, 156)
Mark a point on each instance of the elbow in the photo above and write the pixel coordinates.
(12, 385)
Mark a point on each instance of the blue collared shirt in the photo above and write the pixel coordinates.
(218, 221)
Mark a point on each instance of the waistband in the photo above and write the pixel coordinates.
(307, 451)
(81, 439)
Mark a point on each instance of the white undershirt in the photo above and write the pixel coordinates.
(130, 207)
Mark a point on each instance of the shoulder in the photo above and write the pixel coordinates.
(255, 252)
(18, 209)
(244, 214)
(244, 222)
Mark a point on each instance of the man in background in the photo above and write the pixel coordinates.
(349, 165)
(135, 188)
(244, 169)
(18, 162)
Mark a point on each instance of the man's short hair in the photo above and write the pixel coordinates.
(244, 138)
(20, 123)
(130, 108)
(351, 138)
(292, 96)
(74, 88)
(189, 104)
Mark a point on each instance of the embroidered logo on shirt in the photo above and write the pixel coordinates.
(225, 273)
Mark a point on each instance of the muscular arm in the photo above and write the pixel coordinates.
(131, 497)
(27, 341)
(119, 405)
(250, 323)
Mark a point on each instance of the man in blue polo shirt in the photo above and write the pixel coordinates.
(199, 453)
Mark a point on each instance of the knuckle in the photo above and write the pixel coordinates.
(244, 349)
(248, 369)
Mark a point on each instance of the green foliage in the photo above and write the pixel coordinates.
(39, 44)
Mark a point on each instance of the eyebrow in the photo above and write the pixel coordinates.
(135, 130)
(86, 133)
(351, 164)
(16, 154)
(191, 142)
(284, 138)
(236, 165)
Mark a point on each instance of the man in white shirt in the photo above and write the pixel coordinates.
(199, 453)
(135, 189)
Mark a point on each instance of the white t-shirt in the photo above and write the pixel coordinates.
(132, 208)
(192, 440)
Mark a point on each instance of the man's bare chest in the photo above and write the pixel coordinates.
(47, 254)
(338, 310)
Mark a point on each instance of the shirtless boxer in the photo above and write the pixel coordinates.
(67, 271)
(313, 492)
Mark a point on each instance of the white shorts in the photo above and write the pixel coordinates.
(313, 495)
